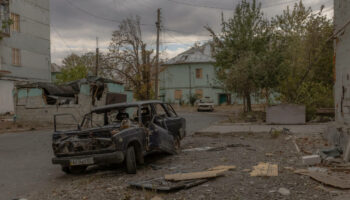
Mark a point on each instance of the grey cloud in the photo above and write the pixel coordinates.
(86, 19)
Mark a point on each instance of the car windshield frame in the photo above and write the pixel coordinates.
(88, 116)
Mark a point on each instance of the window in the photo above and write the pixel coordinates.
(178, 94)
(199, 93)
(160, 111)
(199, 73)
(16, 57)
(15, 22)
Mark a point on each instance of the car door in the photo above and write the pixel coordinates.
(159, 138)
(170, 120)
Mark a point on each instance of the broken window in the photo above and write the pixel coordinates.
(15, 25)
(160, 111)
(178, 94)
(97, 92)
(16, 57)
(4, 18)
(199, 73)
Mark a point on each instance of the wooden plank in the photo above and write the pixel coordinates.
(265, 169)
(194, 175)
(223, 167)
(326, 179)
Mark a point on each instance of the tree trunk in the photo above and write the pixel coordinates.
(249, 103)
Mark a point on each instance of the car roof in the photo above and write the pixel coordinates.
(121, 105)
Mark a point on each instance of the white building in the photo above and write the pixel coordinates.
(25, 46)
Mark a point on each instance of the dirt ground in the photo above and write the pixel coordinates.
(112, 183)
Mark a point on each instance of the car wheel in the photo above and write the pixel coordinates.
(77, 169)
(66, 170)
(130, 160)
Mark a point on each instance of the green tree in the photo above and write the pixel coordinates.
(242, 51)
(307, 57)
(75, 67)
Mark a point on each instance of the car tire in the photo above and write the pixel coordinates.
(66, 170)
(77, 169)
(130, 160)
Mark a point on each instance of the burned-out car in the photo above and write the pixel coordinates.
(118, 133)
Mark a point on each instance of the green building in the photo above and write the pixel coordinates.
(191, 73)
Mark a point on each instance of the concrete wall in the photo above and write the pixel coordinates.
(6, 101)
(31, 106)
(33, 40)
(286, 114)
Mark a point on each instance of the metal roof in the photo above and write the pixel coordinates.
(200, 54)
(123, 105)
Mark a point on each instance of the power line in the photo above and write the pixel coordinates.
(97, 16)
(59, 35)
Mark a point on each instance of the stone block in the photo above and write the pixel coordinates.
(286, 114)
(311, 160)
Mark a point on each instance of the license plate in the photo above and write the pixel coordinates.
(82, 161)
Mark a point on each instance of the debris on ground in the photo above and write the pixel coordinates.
(195, 175)
(265, 169)
(221, 148)
(311, 160)
(330, 180)
(284, 191)
(335, 152)
(162, 185)
(157, 198)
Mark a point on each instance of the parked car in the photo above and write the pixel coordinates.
(205, 104)
(119, 133)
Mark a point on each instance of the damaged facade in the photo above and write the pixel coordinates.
(24, 47)
(339, 134)
(40, 101)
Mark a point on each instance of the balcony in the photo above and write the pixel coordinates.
(4, 18)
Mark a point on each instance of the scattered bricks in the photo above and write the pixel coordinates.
(311, 160)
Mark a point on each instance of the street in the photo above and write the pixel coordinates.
(26, 158)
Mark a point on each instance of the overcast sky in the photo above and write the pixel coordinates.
(75, 24)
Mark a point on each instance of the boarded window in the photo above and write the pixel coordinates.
(178, 94)
(15, 26)
(16, 57)
(199, 73)
(199, 93)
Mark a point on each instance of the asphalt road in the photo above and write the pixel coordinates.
(25, 164)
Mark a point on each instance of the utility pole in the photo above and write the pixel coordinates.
(97, 58)
(157, 55)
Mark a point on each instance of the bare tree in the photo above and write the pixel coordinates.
(130, 60)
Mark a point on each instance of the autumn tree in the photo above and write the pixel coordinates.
(130, 59)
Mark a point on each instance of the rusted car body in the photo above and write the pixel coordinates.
(118, 133)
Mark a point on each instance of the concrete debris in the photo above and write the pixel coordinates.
(265, 169)
(331, 153)
(311, 160)
(284, 191)
(330, 180)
